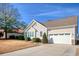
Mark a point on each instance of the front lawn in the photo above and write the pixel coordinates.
(13, 45)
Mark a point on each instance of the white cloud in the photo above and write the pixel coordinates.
(60, 12)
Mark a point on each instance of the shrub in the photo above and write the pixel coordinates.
(36, 40)
(16, 37)
(28, 39)
(20, 37)
(77, 42)
(44, 40)
(12, 37)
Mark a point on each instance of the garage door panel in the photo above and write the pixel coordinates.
(60, 39)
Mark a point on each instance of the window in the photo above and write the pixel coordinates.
(61, 34)
(55, 34)
(27, 34)
(67, 33)
(51, 34)
(41, 33)
(32, 34)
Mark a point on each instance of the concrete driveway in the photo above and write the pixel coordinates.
(45, 50)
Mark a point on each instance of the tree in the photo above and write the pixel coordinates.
(45, 40)
(9, 17)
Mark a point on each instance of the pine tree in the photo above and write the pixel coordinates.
(45, 40)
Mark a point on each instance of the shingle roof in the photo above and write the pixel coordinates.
(61, 22)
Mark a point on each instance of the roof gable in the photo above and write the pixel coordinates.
(33, 23)
(30, 24)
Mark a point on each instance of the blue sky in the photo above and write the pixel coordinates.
(46, 11)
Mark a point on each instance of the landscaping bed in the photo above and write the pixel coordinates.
(13, 45)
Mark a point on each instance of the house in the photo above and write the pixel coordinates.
(61, 31)
(15, 32)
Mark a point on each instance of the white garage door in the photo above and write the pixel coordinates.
(60, 38)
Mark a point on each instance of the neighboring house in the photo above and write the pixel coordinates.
(15, 32)
(62, 31)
